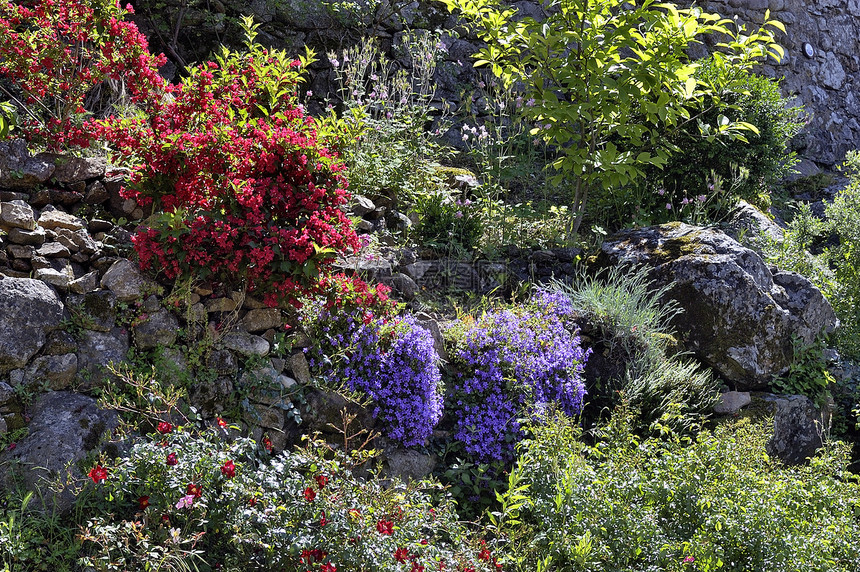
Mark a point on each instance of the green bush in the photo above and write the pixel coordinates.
(765, 156)
(719, 503)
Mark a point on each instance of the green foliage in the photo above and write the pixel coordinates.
(448, 222)
(843, 221)
(31, 540)
(807, 375)
(7, 119)
(633, 323)
(385, 109)
(764, 156)
(718, 503)
(611, 80)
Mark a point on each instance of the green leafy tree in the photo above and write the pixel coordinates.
(608, 80)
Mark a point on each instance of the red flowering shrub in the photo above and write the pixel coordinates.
(246, 189)
(56, 52)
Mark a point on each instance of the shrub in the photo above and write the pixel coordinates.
(57, 54)
(190, 500)
(448, 222)
(611, 80)
(248, 191)
(719, 503)
(392, 362)
(508, 364)
(764, 158)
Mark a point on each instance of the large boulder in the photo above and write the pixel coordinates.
(798, 427)
(29, 310)
(65, 428)
(740, 315)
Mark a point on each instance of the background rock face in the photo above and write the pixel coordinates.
(739, 317)
(64, 428)
(29, 310)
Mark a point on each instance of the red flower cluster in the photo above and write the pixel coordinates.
(310, 494)
(229, 469)
(58, 51)
(321, 480)
(164, 428)
(171, 459)
(385, 527)
(98, 474)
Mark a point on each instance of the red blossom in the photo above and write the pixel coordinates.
(143, 502)
(164, 428)
(401, 555)
(98, 474)
(195, 490)
(310, 494)
(484, 555)
(328, 567)
(417, 567)
(171, 459)
(221, 423)
(267, 444)
(322, 481)
(385, 527)
(228, 469)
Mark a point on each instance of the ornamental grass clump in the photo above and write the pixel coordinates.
(508, 364)
(392, 362)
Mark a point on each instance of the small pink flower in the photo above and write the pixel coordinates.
(668, 206)
(185, 502)
(689, 560)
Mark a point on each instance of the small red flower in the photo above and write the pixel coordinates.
(424, 541)
(267, 443)
(165, 519)
(310, 494)
(164, 428)
(322, 481)
(12, 446)
(401, 555)
(196, 490)
(329, 567)
(229, 469)
(484, 555)
(323, 520)
(416, 567)
(221, 423)
(252, 501)
(98, 474)
(143, 502)
(385, 527)
(171, 459)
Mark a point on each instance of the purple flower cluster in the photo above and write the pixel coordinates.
(396, 366)
(509, 361)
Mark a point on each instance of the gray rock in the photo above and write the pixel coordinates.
(405, 285)
(732, 402)
(7, 394)
(125, 280)
(407, 464)
(51, 220)
(737, 318)
(299, 368)
(59, 342)
(65, 429)
(264, 416)
(86, 283)
(747, 222)
(29, 311)
(97, 350)
(832, 74)
(262, 319)
(798, 427)
(158, 329)
(53, 250)
(245, 344)
(322, 412)
(74, 169)
(21, 251)
(96, 194)
(20, 170)
(53, 277)
(95, 310)
(362, 205)
(35, 237)
(220, 305)
(209, 398)
(222, 362)
(17, 214)
(56, 372)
